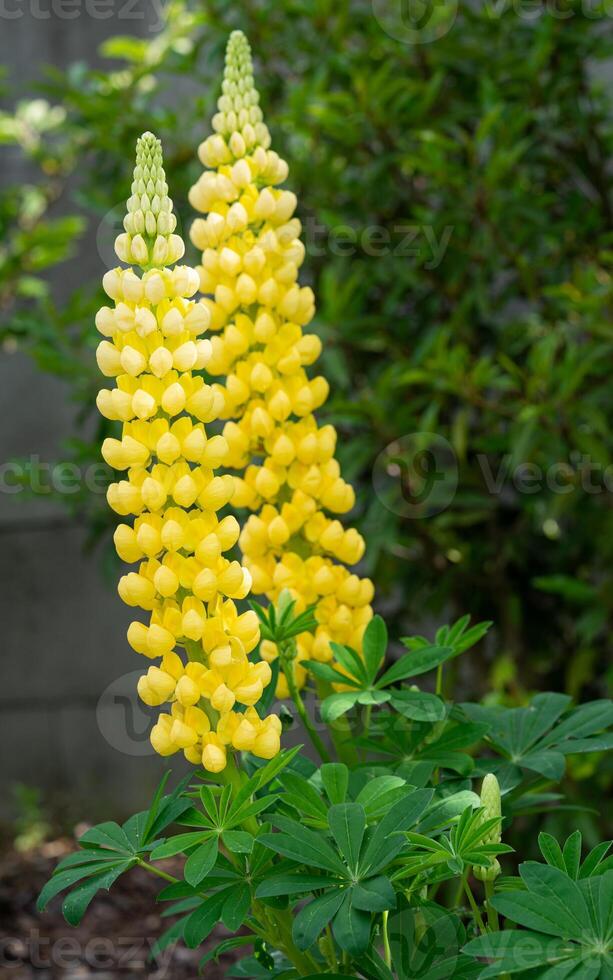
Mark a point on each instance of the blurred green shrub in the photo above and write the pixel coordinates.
(457, 218)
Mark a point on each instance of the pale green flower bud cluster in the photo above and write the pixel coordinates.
(239, 119)
(149, 238)
(490, 801)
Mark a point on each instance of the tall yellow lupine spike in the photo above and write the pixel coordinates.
(287, 474)
(170, 493)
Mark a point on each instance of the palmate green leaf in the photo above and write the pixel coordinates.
(335, 781)
(418, 705)
(87, 856)
(65, 878)
(415, 663)
(236, 906)
(336, 705)
(302, 845)
(442, 812)
(572, 854)
(273, 767)
(374, 646)
(177, 845)
(351, 926)
(379, 794)
(327, 673)
(109, 835)
(227, 946)
(374, 697)
(537, 737)
(77, 901)
(351, 661)
(201, 861)
(238, 841)
(532, 912)
(374, 895)
(302, 795)
(551, 851)
(387, 839)
(593, 862)
(314, 917)
(347, 822)
(202, 920)
(555, 887)
(296, 883)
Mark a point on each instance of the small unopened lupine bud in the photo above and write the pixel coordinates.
(490, 801)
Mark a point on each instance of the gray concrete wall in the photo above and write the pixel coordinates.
(62, 625)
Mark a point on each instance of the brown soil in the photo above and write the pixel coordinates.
(112, 941)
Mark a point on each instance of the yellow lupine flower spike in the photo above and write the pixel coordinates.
(289, 478)
(153, 345)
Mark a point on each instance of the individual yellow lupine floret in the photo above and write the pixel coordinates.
(152, 345)
(286, 471)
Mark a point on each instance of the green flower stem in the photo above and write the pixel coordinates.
(343, 743)
(158, 871)
(439, 681)
(280, 936)
(475, 908)
(287, 666)
(279, 931)
(492, 914)
(332, 957)
(387, 953)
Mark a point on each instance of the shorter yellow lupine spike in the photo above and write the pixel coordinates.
(151, 347)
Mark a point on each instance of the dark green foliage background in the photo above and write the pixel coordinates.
(494, 139)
